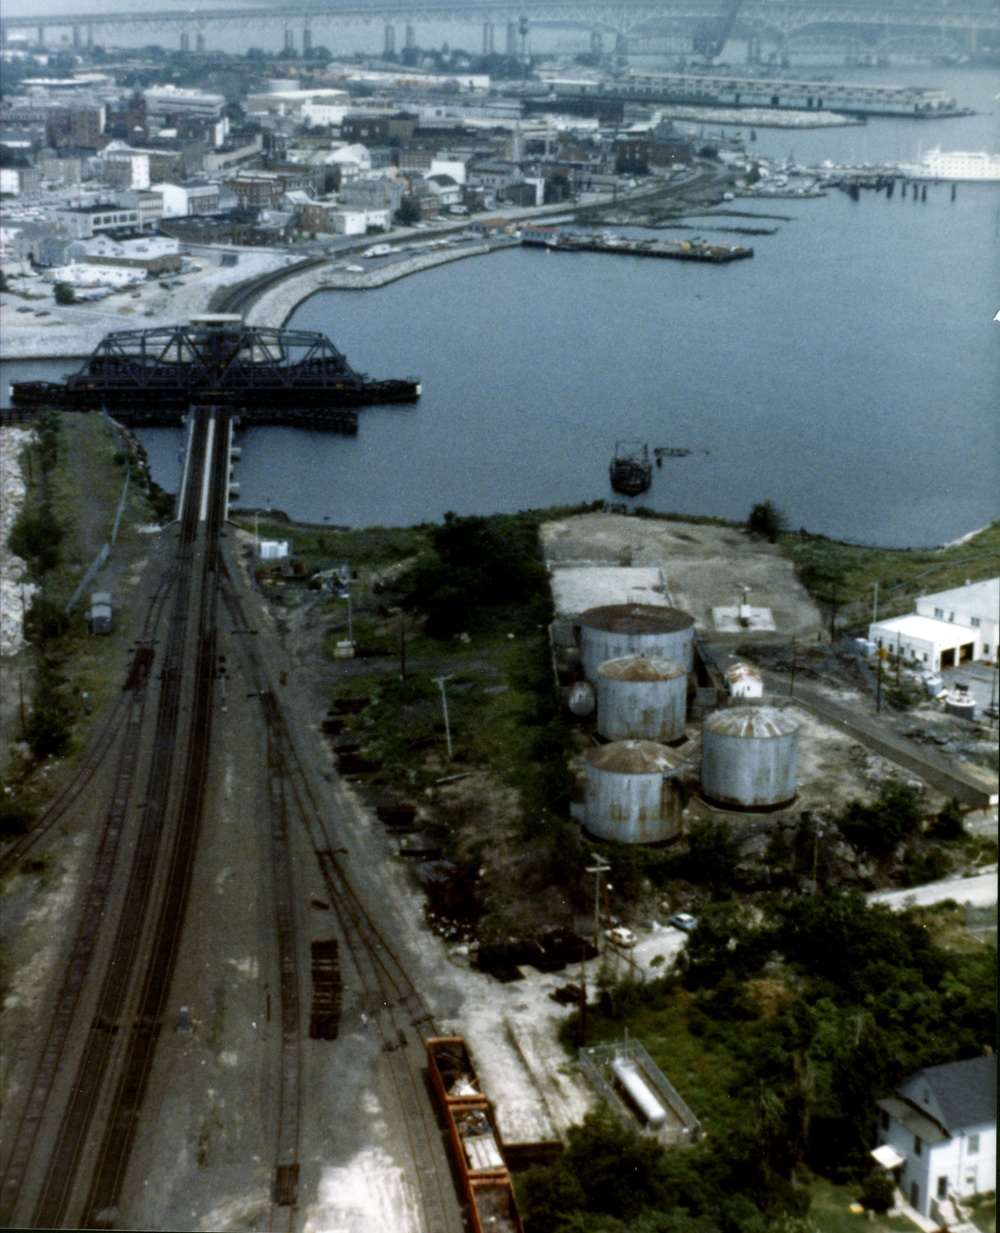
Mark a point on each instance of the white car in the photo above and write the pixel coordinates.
(621, 937)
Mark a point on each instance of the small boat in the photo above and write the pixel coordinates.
(631, 471)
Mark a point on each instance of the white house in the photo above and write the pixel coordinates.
(938, 1134)
(744, 681)
(948, 628)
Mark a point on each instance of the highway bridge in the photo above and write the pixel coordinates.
(505, 23)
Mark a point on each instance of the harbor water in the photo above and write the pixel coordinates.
(848, 372)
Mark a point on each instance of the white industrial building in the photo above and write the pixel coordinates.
(948, 628)
(938, 1135)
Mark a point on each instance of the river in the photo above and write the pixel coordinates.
(848, 372)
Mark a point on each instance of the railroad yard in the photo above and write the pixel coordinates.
(220, 976)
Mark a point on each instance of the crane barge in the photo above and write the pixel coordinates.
(150, 377)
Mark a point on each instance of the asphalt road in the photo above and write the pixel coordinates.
(980, 890)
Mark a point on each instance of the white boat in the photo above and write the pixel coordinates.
(957, 165)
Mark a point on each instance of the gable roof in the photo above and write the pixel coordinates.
(957, 1095)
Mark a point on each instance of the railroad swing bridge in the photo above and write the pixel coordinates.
(151, 377)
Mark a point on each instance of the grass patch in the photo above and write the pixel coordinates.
(830, 1212)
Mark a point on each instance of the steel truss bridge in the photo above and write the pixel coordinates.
(851, 23)
(271, 376)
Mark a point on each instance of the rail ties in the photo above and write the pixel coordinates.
(324, 1020)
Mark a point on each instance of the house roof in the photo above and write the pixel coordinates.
(957, 1095)
(914, 1121)
(976, 597)
(926, 629)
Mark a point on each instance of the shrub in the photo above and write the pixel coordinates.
(878, 1192)
(879, 827)
(949, 823)
(65, 294)
(15, 818)
(36, 536)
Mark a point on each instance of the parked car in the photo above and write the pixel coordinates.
(620, 936)
(683, 920)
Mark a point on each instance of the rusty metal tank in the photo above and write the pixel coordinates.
(749, 757)
(641, 697)
(616, 630)
(632, 794)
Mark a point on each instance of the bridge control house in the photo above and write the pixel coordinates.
(949, 628)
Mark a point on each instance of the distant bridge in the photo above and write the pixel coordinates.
(870, 22)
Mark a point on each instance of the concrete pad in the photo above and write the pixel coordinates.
(575, 588)
(727, 620)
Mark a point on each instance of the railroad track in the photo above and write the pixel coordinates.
(121, 716)
(394, 1003)
(118, 1042)
(241, 297)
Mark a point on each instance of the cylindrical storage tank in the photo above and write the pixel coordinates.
(581, 699)
(749, 756)
(962, 706)
(616, 630)
(641, 697)
(631, 795)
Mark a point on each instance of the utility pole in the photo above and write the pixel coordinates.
(440, 680)
(350, 619)
(598, 869)
(878, 690)
(875, 605)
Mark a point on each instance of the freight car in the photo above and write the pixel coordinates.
(475, 1143)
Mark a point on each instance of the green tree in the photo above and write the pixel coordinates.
(767, 521)
(65, 294)
(878, 828)
(713, 853)
(949, 823)
(408, 212)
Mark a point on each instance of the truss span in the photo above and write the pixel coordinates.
(277, 376)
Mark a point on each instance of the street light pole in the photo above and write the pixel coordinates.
(440, 680)
(598, 869)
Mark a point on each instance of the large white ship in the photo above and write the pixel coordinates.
(958, 165)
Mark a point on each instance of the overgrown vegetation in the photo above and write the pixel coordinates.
(783, 1025)
(74, 465)
(844, 575)
(467, 601)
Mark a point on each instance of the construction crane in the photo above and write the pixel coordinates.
(709, 40)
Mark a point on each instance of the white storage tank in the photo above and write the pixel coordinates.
(641, 697)
(749, 757)
(616, 630)
(631, 793)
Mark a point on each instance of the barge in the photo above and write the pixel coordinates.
(151, 377)
(631, 472)
(671, 250)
